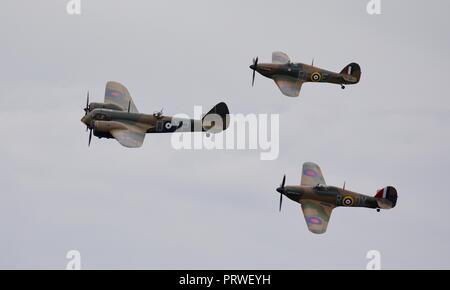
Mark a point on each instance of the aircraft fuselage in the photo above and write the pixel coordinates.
(303, 72)
(330, 195)
(102, 120)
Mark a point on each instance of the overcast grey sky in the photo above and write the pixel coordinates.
(156, 207)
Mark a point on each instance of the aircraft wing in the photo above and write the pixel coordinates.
(131, 136)
(280, 57)
(317, 215)
(289, 87)
(311, 175)
(117, 94)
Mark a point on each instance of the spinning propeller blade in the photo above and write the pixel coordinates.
(255, 64)
(282, 187)
(86, 109)
(90, 138)
(281, 201)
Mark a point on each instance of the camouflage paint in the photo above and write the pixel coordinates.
(119, 118)
(318, 199)
(281, 69)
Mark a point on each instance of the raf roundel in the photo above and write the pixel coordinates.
(310, 173)
(114, 93)
(316, 77)
(347, 200)
(314, 220)
(318, 199)
(168, 125)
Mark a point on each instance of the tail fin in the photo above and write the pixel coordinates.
(386, 197)
(118, 95)
(353, 70)
(217, 119)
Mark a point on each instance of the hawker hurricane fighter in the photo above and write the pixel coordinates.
(318, 199)
(117, 117)
(290, 76)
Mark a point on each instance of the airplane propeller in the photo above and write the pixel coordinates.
(281, 191)
(90, 137)
(253, 67)
(86, 109)
(91, 128)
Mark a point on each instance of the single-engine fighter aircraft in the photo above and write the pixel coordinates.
(290, 76)
(119, 118)
(318, 199)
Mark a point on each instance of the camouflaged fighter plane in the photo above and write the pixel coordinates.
(119, 118)
(318, 199)
(290, 77)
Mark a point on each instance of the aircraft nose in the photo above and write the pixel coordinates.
(280, 190)
(85, 120)
(253, 66)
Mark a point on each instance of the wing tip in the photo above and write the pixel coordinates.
(318, 232)
(308, 163)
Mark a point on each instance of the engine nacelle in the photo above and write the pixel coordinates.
(102, 129)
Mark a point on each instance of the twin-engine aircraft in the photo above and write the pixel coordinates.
(117, 117)
(318, 199)
(290, 76)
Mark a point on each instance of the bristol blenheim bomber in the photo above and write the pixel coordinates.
(290, 76)
(117, 117)
(318, 199)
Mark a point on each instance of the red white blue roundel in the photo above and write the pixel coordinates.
(314, 220)
(113, 93)
(348, 200)
(316, 76)
(310, 173)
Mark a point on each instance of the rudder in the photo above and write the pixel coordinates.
(352, 69)
(221, 110)
(387, 197)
